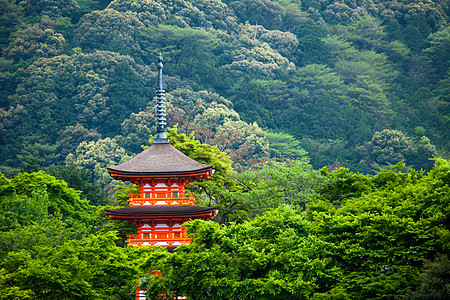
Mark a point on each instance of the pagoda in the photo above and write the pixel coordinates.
(162, 173)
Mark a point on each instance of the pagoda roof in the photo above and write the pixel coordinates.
(159, 211)
(160, 159)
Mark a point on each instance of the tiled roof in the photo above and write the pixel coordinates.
(157, 210)
(159, 159)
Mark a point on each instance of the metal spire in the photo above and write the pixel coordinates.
(160, 107)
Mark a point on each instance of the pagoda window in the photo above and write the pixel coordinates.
(161, 186)
(174, 194)
(146, 235)
(147, 195)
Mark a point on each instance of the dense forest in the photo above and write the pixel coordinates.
(327, 123)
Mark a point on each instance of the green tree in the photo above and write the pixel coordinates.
(10, 18)
(189, 53)
(437, 52)
(52, 8)
(30, 196)
(283, 145)
(381, 233)
(434, 280)
(270, 257)
(36, 41)
(292, 182)
(93, 267)
(109, 30)
(267, 13)
(60, 92)
(72, 136)
(96, 156)
(322, 108)
(81, 180)
(388, 147)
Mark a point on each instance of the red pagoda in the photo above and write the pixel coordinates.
(162, 173)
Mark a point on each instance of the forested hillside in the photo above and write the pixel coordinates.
(319, 118)
(362, 84)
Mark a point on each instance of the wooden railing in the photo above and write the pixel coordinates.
(135, 240)
(185, 199)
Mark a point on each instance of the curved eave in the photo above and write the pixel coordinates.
(161, 159)
(210, 215)
(161, 211)
(206, 172)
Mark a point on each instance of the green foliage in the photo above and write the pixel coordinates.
(384, 234)
(109, 30)
(39, 40)
(439, 47)
(96, 156)
(389, 147)
(90, 5)
(72, 136)
(434, 280)
(214, 122)
(339, 79)
(31, 196)
(205, 154)
(269, 14)
(92, 98)
(369, 244)
(188, 52)
(10, 18)
(81, 179)
(93, 267)
(52, 8)
(267, 57)
(45, 231)
(267, 258)
(276, 183)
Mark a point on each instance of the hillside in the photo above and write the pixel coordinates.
(360, 84)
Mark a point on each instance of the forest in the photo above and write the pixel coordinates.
(327, 123)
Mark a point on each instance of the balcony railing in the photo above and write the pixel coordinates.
(135, 240)
(185, 199)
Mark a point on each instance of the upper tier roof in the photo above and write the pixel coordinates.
(159, 159)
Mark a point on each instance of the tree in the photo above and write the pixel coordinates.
(266, 13)
(189, 53)
(72, 136)
(369, 246)
(322, 107)
(81, 180)
(213, 121)
(182, 13)
(93, 267)
(110, 30)
(384, 229)
(52, 8)
(266, 258)
(62, 91)
(96, 156)
(388, 147)
(10, 18)
(434, 280)
(437, 52)
(51, 196)
(36, 41)
(247, 55)
(291, 182)
(283, 145)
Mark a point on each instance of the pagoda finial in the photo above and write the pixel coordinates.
(160, 107)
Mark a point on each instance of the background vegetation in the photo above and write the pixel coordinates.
(362, 84)
(277, 96)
